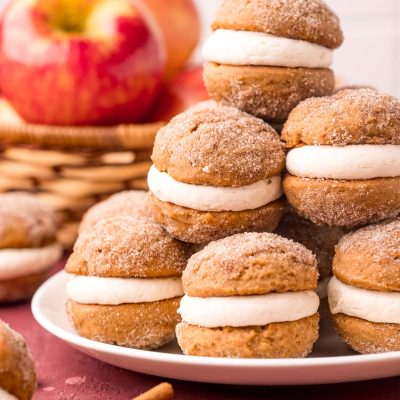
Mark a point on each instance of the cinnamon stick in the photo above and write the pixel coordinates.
(163, 391)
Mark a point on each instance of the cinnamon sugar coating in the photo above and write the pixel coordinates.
(195, 226)
(250, 264)
(360, 116)
(278, 340)
(369, 258)
(309, 20)
(217, 145)
(320, 239)
(130, 202)
(141, 325)
(266, 92)
(367, 337)
(343, 203)
(127, 247)
(17, 370)
(21, 288)
(25, 221)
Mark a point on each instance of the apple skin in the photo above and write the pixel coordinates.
(180, 24)
(185, 90)
(108, 74)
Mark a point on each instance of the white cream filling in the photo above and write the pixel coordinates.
(114, 291)
(370, 305)
(15, 263)
(236, 311)
(257, 48)
(6, 396)
(212, 198)
(365, 161)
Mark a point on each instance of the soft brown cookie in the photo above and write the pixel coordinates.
(193, 226)
(240, 269)
(216, 148)
(266, 92)
(217, 145)
(364, 296)
(140, 325)
(127, 247)
(367, 337)
(369, 258)
(17, 370)
(133, 202)
(358, 116)
(309, 20)
(270, 341)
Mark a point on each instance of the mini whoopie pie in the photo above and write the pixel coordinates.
(130, 202)
(265, 56)
(216, 172)
(17, 370)
(364, 295)
(320, 239)
(344, 158)
(28, 245)
(250, 295)
(126, 282)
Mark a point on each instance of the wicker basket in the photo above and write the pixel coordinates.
(72, 168)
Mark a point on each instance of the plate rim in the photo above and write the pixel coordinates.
(154, 355)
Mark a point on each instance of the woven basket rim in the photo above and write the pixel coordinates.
(118, 137)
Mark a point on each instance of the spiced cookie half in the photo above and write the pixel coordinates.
(364, 295)
(250, 295)
(17, 370)
(216, 172)
(344, 158)
(266, 56)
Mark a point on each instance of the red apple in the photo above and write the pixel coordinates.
(185, 90)
(180, 23)
(76, 62)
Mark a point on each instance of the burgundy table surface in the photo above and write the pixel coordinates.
(66, 374)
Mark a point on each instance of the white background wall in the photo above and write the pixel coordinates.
(371, 51)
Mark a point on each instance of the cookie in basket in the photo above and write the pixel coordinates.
(126, 283)
(265, 56)
(17, 370)
(344, 158)
(28, 245)
(250, 295)
(364, 295)
(216, 172)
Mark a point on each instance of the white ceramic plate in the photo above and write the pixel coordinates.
(330, 362)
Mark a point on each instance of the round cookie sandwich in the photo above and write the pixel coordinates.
(126, 283)
(320, 239)
(28, 245)
(17, 370)
(265, 56)
(364, 295)
(344, 158)
(130, 202)
(216, 172)
(250, 295)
